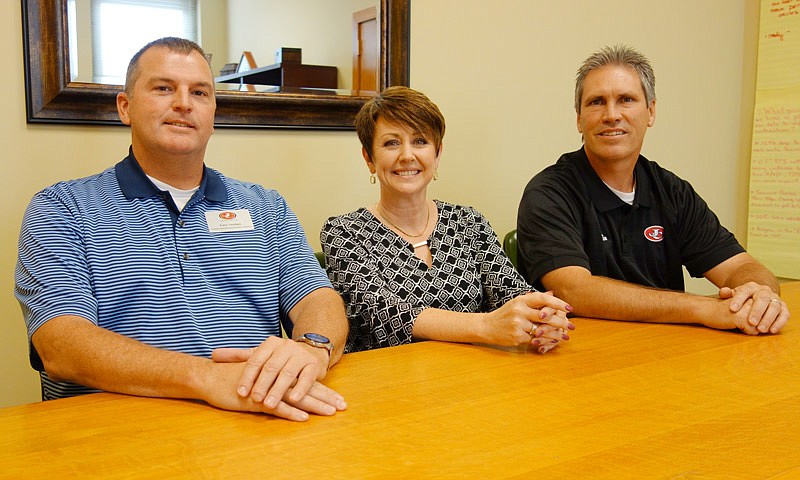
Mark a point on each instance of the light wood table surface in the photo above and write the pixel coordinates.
(620, 400)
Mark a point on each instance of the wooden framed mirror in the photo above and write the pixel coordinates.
(53, 98)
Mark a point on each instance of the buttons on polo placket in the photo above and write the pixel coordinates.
(184, 256)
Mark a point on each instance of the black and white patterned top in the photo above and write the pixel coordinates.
(385, 286)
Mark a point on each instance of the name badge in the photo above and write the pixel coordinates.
(229, 220)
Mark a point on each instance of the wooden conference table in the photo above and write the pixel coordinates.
(620, 400)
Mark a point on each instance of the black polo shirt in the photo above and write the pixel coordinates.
(569, 217)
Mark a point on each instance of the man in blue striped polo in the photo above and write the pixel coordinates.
(133, 280)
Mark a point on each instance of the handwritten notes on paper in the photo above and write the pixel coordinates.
(774, 223)
(783, 8)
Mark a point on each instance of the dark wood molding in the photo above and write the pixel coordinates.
(52, 98)
(396, 39)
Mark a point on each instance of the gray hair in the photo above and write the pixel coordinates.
(621, 55)
(174, 44)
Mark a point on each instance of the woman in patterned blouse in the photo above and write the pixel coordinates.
(411, 268)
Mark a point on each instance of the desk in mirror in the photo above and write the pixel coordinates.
(53, 97)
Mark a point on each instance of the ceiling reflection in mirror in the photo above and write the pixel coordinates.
(104, 35)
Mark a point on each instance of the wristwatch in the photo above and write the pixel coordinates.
(318, 341)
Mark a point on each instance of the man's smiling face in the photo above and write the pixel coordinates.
(171, 104)
(614, 114)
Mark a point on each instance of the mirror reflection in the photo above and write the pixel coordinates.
(298, 44)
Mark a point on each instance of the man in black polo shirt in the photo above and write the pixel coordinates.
(608, 231)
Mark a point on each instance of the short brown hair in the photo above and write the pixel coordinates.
(174, 44)
(403, 106)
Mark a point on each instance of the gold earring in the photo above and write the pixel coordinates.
(436, 175)
(372, 178)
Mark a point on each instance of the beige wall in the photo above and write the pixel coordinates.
(214, 32)
(502, 73)
(324, 34)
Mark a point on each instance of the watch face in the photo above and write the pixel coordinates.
(316, 337)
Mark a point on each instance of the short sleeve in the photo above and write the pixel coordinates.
(379, 315)
(549, 230)
(500, 281)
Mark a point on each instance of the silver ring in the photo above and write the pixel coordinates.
(533, 330)
(775, 300)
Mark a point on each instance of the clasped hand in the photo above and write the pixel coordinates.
(536, 318)
(767, 312)
(281, 376)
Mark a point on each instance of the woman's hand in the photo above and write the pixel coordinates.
(536, 318)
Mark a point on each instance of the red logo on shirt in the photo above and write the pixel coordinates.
(227, 215)
(654, 233)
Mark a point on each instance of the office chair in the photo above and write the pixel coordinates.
(321, 258)
(510, 246)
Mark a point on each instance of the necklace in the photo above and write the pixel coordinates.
(427, 220)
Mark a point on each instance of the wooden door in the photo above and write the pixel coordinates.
(365, 50)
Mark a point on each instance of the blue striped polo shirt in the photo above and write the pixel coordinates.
(114, 249)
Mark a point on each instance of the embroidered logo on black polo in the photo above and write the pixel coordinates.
(654, 233)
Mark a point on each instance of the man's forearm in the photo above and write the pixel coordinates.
(753, 272)
(322, 311)
(741, 269)
(602, 297)
(73, 349)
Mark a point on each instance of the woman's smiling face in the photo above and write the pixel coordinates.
(403, 160)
